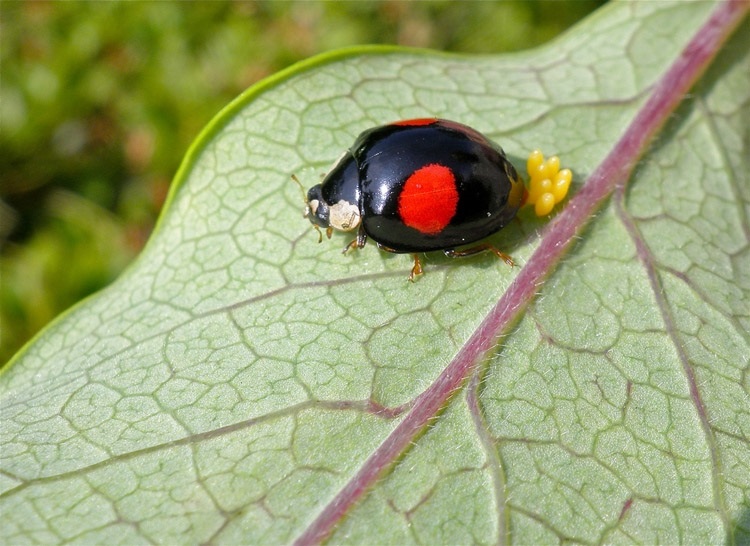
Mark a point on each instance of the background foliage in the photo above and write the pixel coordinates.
(100, 100)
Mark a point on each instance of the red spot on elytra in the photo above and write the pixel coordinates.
(429, 199)
(415, 122)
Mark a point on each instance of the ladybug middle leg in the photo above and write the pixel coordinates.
(416, 268)
(484, 247)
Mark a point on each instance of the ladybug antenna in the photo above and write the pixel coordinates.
(307, 207)
(301, 189)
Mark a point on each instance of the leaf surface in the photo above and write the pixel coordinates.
(242, 384)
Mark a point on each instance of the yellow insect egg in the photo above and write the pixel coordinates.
(536, 158)
(561, 185)
(544, 204)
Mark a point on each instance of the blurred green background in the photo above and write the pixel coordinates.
(100, 100)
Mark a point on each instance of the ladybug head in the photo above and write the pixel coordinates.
(342, 215)
(316, 209)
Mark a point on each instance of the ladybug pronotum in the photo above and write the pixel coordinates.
(422, 185)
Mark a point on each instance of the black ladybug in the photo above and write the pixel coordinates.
(419, 185)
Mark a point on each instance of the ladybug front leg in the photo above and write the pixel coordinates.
(484, 247)
(359, 242)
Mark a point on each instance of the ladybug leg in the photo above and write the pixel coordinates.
(484, 247)
(359, 242)
(320, 233)
(416, 269)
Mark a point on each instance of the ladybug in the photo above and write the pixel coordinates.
(419, 185)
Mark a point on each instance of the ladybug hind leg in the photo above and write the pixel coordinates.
(483, 247)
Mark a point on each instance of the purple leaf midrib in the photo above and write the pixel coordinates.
(612, 173)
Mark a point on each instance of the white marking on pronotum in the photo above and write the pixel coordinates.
(344, 216)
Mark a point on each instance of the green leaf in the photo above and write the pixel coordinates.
(242, 384)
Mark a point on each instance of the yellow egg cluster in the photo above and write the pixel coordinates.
(548, 185)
